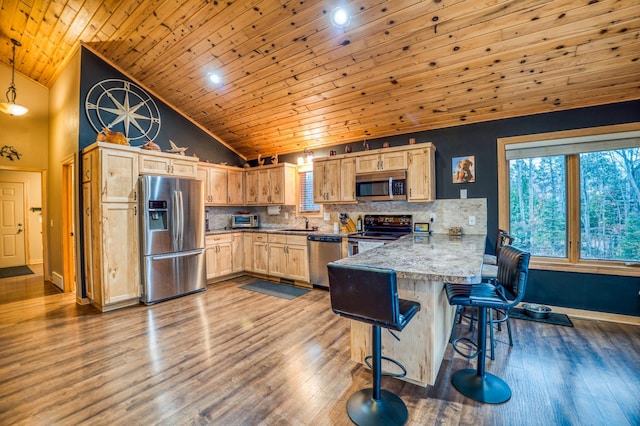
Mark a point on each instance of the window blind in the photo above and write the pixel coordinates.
(305, 196)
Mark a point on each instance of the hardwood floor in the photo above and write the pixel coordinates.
(229, 356)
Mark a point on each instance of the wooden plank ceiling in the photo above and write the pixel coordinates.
(291, 80)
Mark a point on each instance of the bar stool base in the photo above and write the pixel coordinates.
(489, 389)
(389, 410)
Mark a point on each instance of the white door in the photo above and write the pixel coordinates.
(12, 251)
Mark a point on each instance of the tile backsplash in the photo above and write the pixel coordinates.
(448, 213)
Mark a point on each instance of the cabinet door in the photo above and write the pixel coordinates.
(251, 187)
(235, 179)
(260, 257)
(86, 240)
(319, 192)
(332, 180)
(210, 261)
(348, 180)
(150, 164)
(184, 168)
(367, 163)
(277, 259)
(276, 179)
(247, 242)
(120, 261)
(394, 161)
(218, 185)
(203, 175)
(264, 187)
(118, 176)
(297, 262)
(237, 253)
(420, 176)
(224, 258)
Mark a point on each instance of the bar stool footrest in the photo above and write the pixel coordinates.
(389, 410)
(368, 358)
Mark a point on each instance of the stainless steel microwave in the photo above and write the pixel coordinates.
(382, 186)
(245, 221)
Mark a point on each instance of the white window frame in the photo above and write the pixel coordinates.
(550, 143)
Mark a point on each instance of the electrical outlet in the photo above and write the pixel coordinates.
(327, 216)
(472, 220)
(463, 193)
(432, 216)
(286, 215)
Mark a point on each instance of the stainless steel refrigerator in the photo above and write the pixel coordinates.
(172, 237)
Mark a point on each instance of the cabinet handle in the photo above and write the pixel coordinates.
(135, 210)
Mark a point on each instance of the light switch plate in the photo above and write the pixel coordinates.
(286, 215)
(327, 216)
(472, 220)
(463, 193)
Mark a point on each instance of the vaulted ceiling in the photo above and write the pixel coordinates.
(291, 80)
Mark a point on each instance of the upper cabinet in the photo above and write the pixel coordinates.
(421, 179)
(334, 180)
(275, 184)
(223, 185)
(380, 162)
(157, 163)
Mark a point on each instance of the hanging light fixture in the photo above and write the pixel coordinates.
(11, 107)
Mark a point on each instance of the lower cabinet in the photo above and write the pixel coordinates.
(276, 255)
(288, 256)
(219, 255)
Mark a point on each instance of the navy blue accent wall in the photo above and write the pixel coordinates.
(603, 293)
(174, 126)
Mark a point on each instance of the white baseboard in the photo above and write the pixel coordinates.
(57, 279)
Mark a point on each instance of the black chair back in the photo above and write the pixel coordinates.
(513, 271)
(502, 239)
(365, 294)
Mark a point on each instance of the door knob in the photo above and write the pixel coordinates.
(19, 231)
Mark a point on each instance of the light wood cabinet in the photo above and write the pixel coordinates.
(110, 224)
(167, 164)
(396, 160)
(247, 242)
(275, 184)
(334, 181)
(237, 253)
(223, 185)
(260, 253)
(219, 255)
(421, 174)
(288, 257)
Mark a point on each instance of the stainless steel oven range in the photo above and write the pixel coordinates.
(379, 230)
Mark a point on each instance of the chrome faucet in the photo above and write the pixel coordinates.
(306, 222)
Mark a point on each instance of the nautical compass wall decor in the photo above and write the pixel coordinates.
(122, 106)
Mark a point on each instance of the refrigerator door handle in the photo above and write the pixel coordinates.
(175, 221)
(174, 255)
(181, 234)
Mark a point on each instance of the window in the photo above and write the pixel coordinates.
(572, 199)
(305, 196)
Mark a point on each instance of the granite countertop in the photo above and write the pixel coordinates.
(437, 257)
(273, 231)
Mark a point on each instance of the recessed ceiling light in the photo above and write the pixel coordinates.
(214, 78)
(339, 17)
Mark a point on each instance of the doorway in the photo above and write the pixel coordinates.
(22, 217)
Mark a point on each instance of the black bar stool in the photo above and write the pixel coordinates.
(511, 281)
(370, 295)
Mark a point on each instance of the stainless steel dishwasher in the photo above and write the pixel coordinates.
(322, 250)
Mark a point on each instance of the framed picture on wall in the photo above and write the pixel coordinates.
(464, 169)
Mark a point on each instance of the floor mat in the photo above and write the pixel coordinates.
(15, 271)
(283, 291)
(553, 318)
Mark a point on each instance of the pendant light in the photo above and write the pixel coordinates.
(11, 107)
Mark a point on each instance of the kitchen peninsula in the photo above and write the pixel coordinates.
(423, 264)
